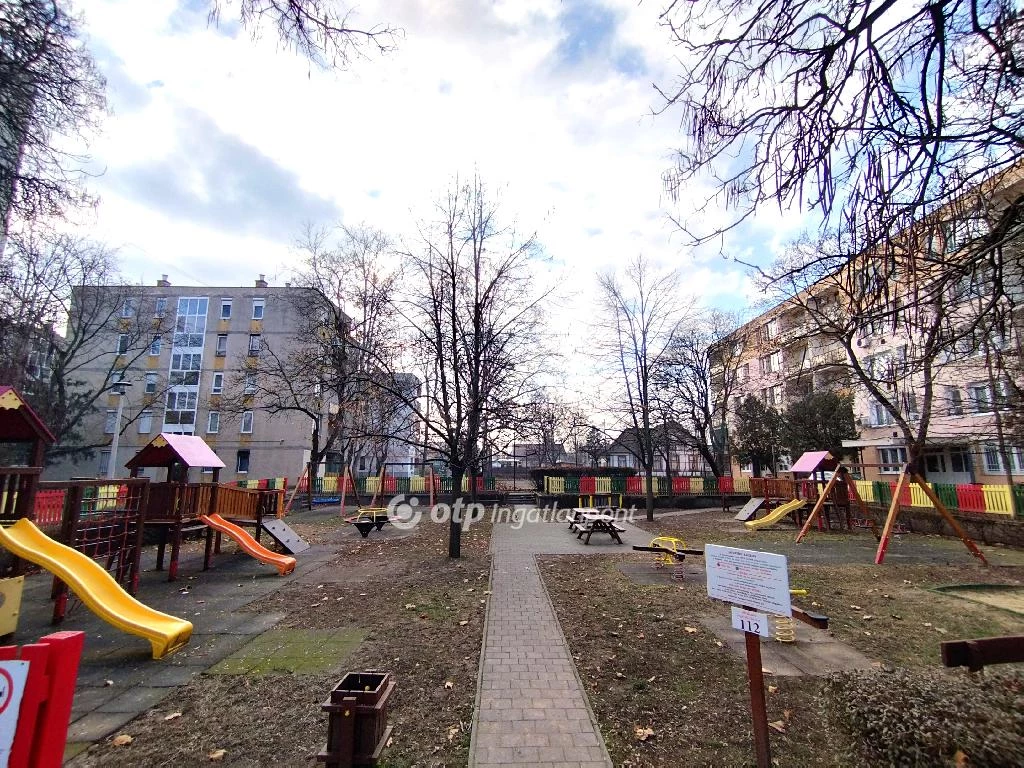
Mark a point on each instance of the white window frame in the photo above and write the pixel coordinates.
(213, 422)
(225, 309)
(150, 388)
(218, 383)
(104, 464)
(221, 349)
(127, 309)
(245, 427)
(109, 427)
(249, 386)
(261, 305)
(892, 464)
(123, 343)
(254, 350)
(248, 460)
(160, 306)
(145, 422)
(991, 452)
(155, 345)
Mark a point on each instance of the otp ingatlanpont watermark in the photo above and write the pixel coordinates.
(406, 512)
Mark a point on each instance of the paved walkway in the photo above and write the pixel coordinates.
(531, 707)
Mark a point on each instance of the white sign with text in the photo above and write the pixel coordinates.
(758, 580)
(750, 621)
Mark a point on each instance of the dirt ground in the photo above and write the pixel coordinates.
(650, 663)
(423, 618)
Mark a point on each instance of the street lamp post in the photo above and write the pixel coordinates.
(119, 388)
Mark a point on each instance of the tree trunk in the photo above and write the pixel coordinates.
(649, 471)
(455, 523)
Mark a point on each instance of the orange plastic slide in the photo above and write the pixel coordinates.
(283, 563)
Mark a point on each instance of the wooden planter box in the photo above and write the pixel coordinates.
(357, 729)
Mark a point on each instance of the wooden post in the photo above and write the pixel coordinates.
(344, 487)
(758, 709)
(890, 520)
(817, 507)
(967, 540)
(305, 472)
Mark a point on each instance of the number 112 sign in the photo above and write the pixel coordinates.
(750, 621)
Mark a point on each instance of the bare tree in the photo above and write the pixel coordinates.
(331, 369)
(638, 319)
(864, 110)
(320, 30)
(49, 87)
(472, 317)
(61, 301)
(696, 384)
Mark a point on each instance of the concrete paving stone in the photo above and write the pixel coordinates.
(170, 677)
(88, 699)
(138, 700)
(98, 725)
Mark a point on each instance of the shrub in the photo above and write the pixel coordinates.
(927, 717)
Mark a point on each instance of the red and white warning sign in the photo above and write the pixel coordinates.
(12, 687)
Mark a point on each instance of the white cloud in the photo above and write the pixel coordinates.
(550, 100)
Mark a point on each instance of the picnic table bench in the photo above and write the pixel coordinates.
(589, 523)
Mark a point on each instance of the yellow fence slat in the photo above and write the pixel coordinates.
(918, 498)
(417, 484)
(372, 484)
(741, 484)
(865, 489)
(998, 499)
(696, 485)
(602, 485)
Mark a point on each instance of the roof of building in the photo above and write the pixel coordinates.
(18, 422)
(167, 448)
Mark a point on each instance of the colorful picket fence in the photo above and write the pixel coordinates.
(989, 499)
(329, 485)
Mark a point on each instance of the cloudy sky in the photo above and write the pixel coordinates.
(219, 147)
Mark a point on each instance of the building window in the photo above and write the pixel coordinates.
(250, 384)
(242, 462)
(218, 384)
(225, 309)
(190, 324)
(771, 363)
(994, 459)
(213, 423)
(747, 469)
(892, 460)
(154, 345)
(181, 408)
(104, 464)
(122, 343)
(255, 342)
(880, 416)
(246, 423)
(770, 329)
(161, 307)
(150, 383)
(128, 308)
(257, 309)
(222, 344)
(743, 372)
(981, 398)
(109, 426)
(145, 422)
(956, 401)
(185, 369)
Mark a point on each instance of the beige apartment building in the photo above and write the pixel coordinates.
(813, 341)
(185, 349)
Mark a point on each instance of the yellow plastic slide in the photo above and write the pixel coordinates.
(776, 514)
(97, 588)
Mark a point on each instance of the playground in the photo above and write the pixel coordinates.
(542, 644)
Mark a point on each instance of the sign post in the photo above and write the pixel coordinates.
(752, 581)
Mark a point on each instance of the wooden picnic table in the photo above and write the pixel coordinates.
(598, 523)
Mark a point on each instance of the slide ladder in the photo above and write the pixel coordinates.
(96, 588)
(776, 514)
(249, 545)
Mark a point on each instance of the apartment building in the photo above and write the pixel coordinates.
(179, 351)
(892, 323)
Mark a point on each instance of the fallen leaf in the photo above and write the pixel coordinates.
(453, 732)
(410, 606)
(643, 734)
(108, 683)
(173, 716)
(217, 754)
(463, 623)
(778, 725)
(122, 740)
(620, 676)
(960, 760)
(867, 617)
(772, 688)
(691, 630)
(855, 607)
(718, 643)
(448, 684)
